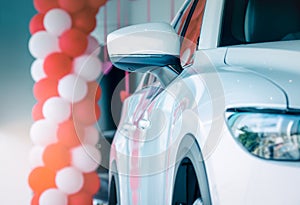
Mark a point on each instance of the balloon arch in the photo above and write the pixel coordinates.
(64, 156)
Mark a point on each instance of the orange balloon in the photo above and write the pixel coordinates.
(73, 42)
(43, 6)
(41, 178)
(85, 20)
(56, 156)
(37, 111)
(45, 88)
(80, 198)
(36, 23)
(94, 91)
(96, 3)
(71, 5)
(91, 183)
(57, 65)
(35, 199)
(86, 112)
(69, 134)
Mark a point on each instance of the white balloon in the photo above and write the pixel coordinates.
(56, 21)
(43, 132)
(69, 180)
(91, 136)
(42, 43)
(72, 88)
(86, 158)
(37, 70)
(93, 47)
(87, 67)
(53, 196)
(56, 109)
(36, 156)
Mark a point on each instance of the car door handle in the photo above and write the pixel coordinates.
(128, 127)
(144, 124)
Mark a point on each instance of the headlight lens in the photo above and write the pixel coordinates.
(268, 134)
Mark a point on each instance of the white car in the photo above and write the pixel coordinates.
(216, 118)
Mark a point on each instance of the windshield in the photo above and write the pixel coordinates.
(253, 21)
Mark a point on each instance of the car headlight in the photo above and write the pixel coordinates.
(268, 134)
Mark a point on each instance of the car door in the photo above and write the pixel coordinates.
(156, 117)
(149, 88)
(150, 113)
(188, 26)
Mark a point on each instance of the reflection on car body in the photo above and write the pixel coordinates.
(223, 126)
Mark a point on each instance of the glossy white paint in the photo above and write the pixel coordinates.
(149, 38)
(193, 104)
(277, 61)
(160, 125)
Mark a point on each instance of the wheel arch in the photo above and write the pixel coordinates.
(114, 186)
(190, 151)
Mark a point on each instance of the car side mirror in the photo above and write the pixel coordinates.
(150, 47)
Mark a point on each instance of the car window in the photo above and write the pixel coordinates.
(192, 34)
(189, 27)
(256, 21)
(180, 21)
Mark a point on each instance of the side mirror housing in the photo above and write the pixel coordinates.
(150, 47)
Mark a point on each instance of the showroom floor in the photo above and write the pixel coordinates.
(14, 147)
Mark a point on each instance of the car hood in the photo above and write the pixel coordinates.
(278, 62)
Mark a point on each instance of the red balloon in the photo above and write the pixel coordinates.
(86, 112)
(71, 5)
(43, 6)
(85, 20)
(37, 111)
(69, 134)
(45, 88)
(96, 3)
(57, 65)
(41, 178)
(73, 42)
(91, 183)
(56, 156)
(35, 199)
(94, 11)
(94, 91)
(80, 198)
(36, 23)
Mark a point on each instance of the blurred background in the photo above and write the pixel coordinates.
(16, 84)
